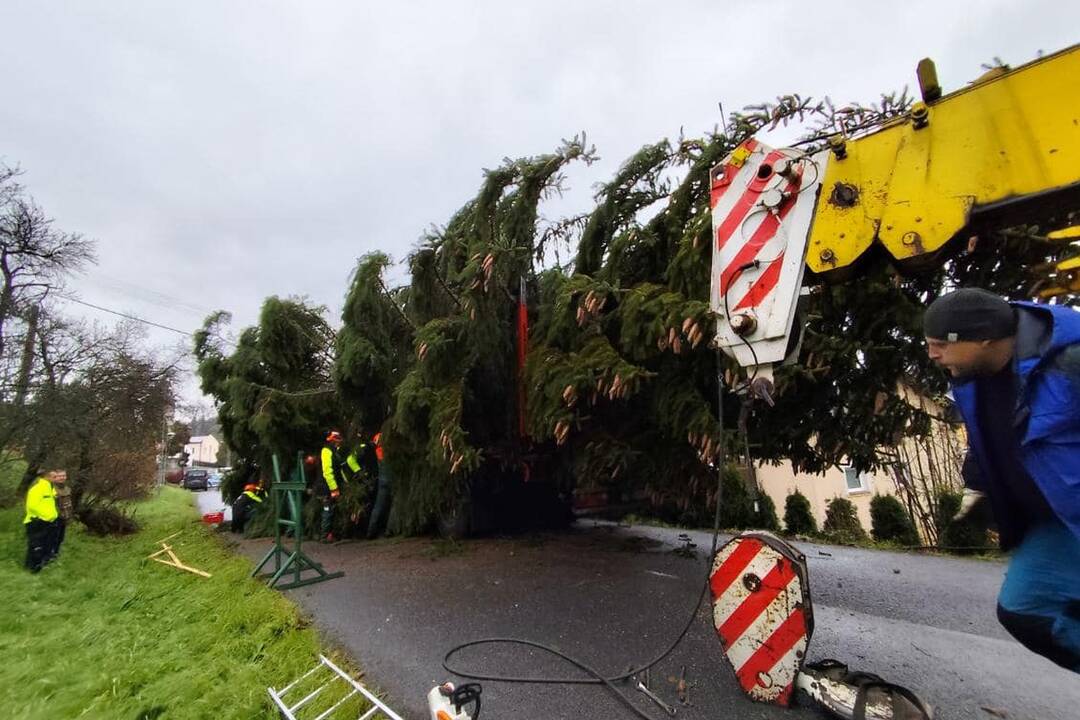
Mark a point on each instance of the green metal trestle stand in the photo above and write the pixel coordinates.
(290, 563)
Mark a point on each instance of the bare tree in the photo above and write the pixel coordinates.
(82, 396)
(35, 256)
(97, 410)
(925, 465)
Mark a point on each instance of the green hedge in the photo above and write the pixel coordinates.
(890, 522)
(798, 518)
(842, 522)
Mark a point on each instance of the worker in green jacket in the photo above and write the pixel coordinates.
(40, 519)
(65, 510)
(337, 468)
(383, 492)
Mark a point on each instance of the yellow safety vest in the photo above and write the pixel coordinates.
(40, 501)
(326, 458)
(253, 496)
(330, 469)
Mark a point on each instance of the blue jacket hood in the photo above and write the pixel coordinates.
(1065, 327)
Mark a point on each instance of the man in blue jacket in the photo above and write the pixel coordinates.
(1015, 371)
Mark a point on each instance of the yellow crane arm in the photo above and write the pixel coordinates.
(1003, 151)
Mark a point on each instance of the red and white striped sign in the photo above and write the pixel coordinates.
(762, 613)
(762, 204)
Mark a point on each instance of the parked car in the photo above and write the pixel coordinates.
(196, 479)
(214, 480)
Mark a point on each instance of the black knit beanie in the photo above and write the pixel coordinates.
(969, 314)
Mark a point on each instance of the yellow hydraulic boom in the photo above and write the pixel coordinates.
(1000, 153)
(1003, 151)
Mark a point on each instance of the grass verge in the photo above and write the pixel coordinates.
(102, 632)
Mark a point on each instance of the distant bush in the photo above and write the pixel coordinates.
(842, 522)
(106, 518)
(736, 505)
(10, 474)
(798, 519)
(889, 521)
(765, 517)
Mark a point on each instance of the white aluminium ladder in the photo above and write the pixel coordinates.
(378, 709)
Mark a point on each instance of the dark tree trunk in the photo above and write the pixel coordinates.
(26, 364)
(7, 297)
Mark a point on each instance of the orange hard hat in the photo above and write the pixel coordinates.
(251, 486)
(333, 436)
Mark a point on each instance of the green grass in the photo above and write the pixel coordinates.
(104, 633)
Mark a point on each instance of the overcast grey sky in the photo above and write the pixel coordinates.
(220, 152)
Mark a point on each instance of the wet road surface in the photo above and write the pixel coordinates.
(612, 596)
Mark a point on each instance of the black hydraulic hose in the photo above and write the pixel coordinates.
(595, 677)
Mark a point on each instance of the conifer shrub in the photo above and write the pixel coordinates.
(737, 507)
(842, 522)
(798, 518)
(765, 517)
(891, 523)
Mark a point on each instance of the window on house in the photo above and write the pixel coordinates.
(856, 481)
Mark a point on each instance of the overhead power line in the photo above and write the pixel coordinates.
(144, 294)
(125, 315)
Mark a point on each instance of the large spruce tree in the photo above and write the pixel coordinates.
(622, 388)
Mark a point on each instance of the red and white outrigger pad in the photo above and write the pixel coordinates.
(762, 203)
(762, 613)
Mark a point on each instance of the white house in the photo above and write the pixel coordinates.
(203, 450)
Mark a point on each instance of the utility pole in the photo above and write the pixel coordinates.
(163, 469)
(164, 450)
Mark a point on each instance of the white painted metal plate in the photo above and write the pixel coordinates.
(762, 203)
(762, 613)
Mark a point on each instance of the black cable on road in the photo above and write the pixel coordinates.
(595, 677)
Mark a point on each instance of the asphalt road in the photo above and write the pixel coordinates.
(612, 596)
(210, 501)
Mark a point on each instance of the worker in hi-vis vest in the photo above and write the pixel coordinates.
(245, 505)
(336, 468)
(40, 519)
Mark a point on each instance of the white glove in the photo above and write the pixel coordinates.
(970, 499)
